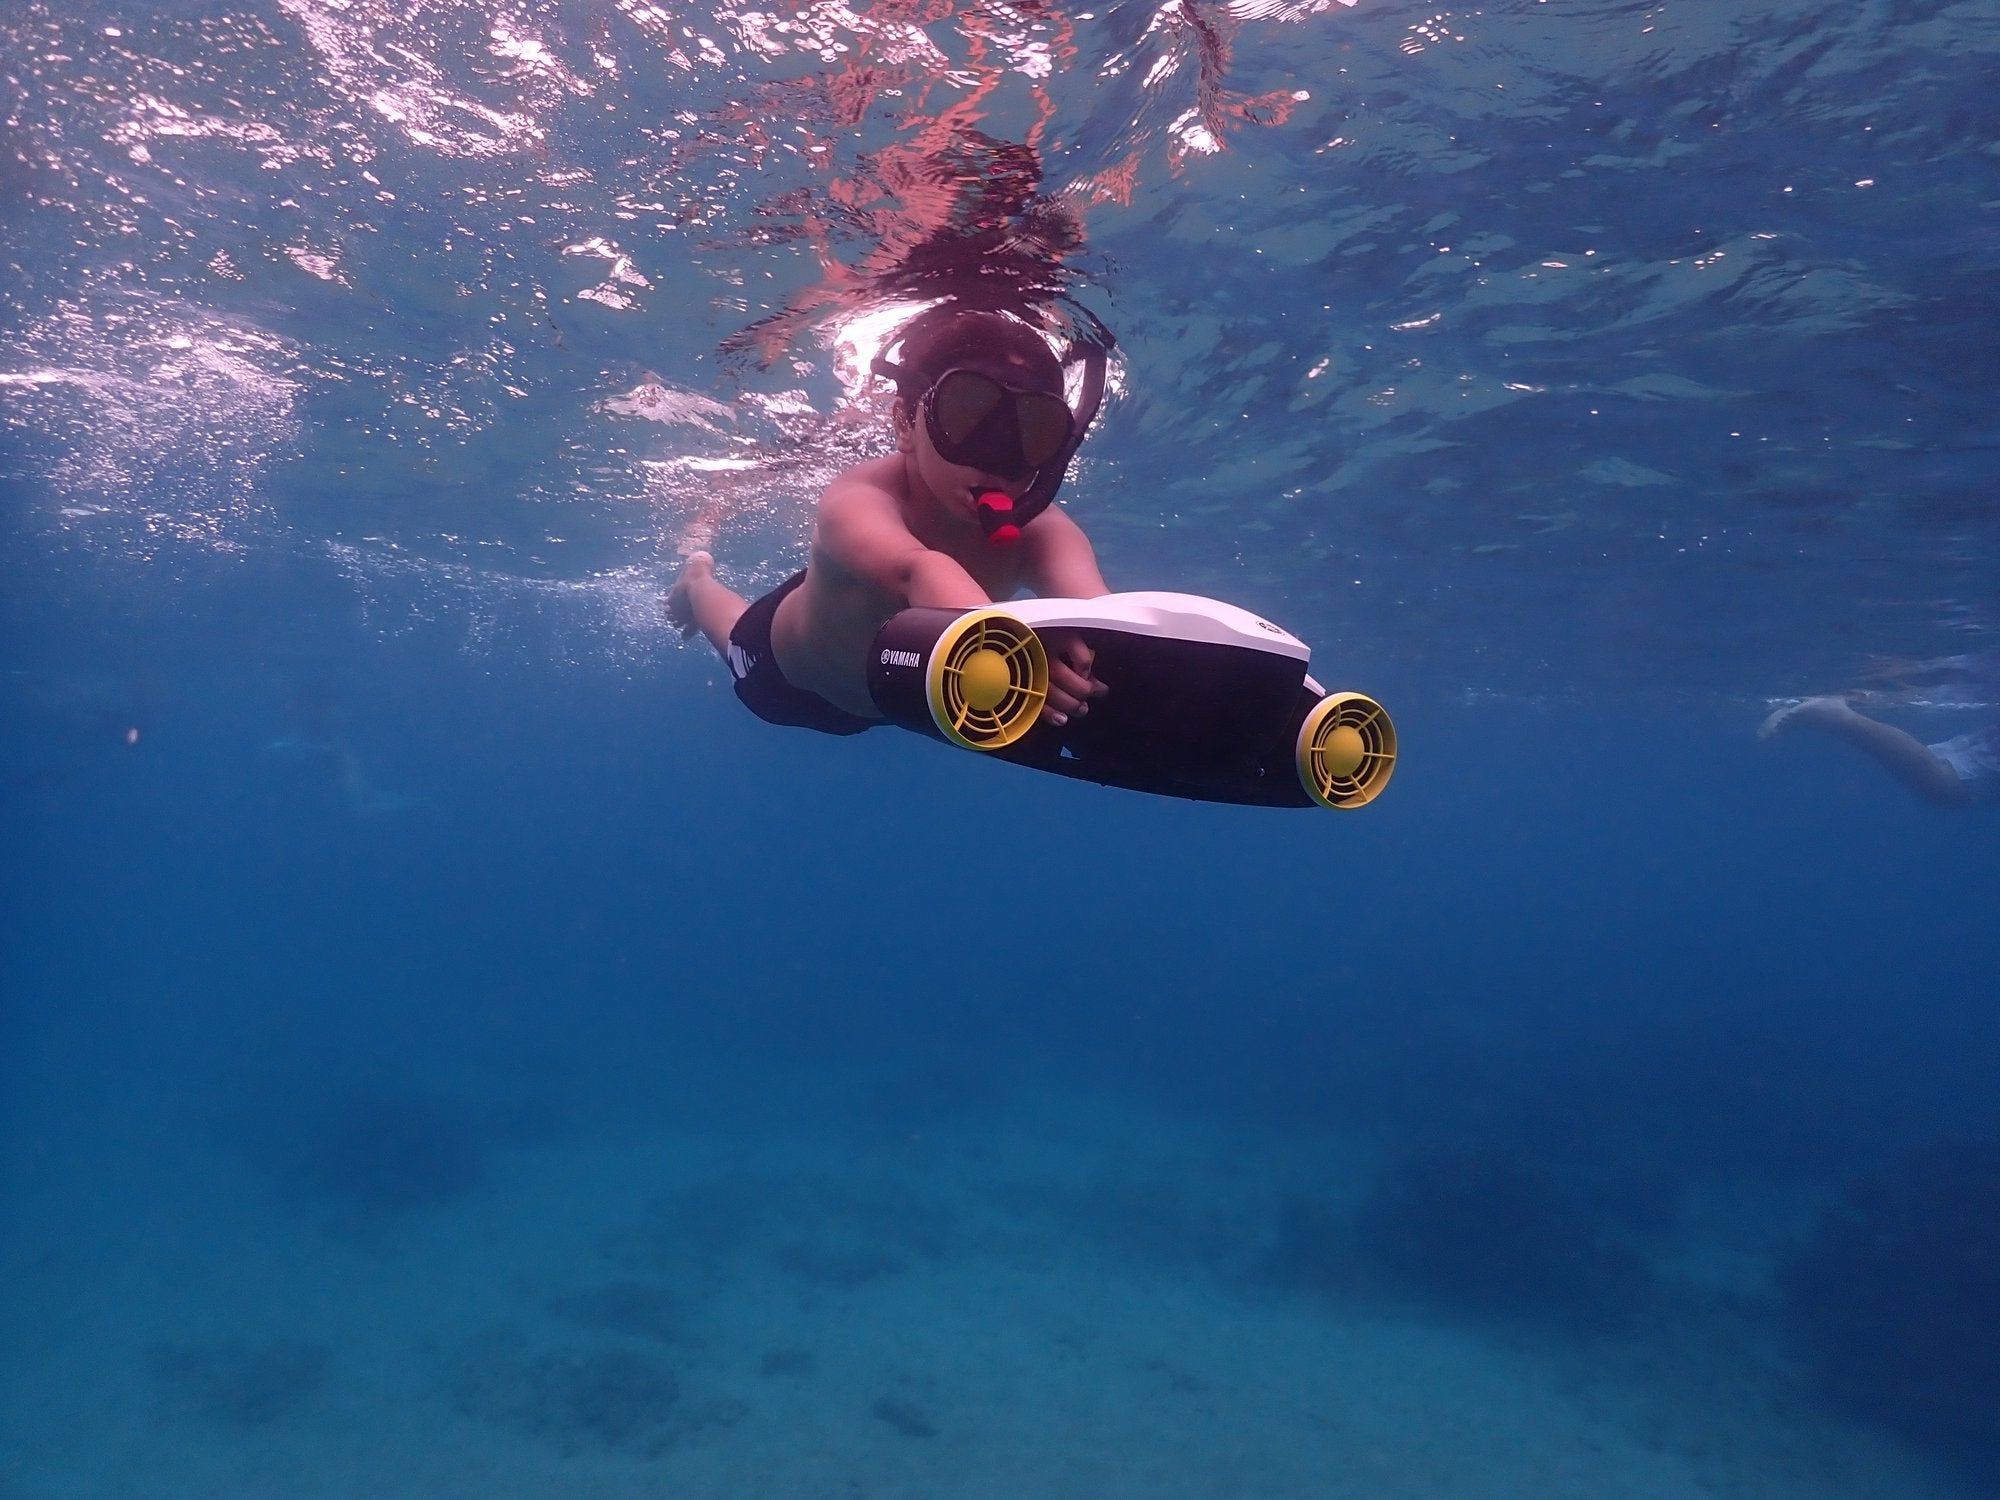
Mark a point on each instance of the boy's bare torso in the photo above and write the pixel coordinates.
(823, 629)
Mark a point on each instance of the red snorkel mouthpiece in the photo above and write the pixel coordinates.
(993, 508)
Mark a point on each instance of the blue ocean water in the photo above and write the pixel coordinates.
(447, 1046)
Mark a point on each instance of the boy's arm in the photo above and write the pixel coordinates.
(1060, 563)
(862, 531)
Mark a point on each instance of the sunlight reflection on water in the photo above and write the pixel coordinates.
(1401, 298)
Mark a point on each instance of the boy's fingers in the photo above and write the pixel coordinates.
(1068, 689)
(1082, 660)
(1063, 702)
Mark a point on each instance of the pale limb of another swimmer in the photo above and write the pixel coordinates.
(1902, 755)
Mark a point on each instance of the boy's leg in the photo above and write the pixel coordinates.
(701, 601)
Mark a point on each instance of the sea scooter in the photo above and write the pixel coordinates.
(1203, 700)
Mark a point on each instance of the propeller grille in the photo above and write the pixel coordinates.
(1346, 750)
(989, 677)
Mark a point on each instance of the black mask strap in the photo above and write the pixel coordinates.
(1095, 346)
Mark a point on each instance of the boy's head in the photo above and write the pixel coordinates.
(956, 338)
(981, 406)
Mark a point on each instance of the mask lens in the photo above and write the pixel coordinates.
(976, 420)
(1045, 426)
(960, 403)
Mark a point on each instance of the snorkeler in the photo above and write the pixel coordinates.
(1951, 773)
(957, 517)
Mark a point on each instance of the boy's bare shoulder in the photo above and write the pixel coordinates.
(869, 485)
(866, 501)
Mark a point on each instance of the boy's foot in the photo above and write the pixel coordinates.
(678, 604)
(1815, 711)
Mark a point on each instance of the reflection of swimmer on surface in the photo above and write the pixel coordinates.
(1951, 773)
(361, 795)
(957, 517)
(319, 739)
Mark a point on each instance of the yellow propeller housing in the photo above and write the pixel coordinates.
(988, 679)
(1346, 750)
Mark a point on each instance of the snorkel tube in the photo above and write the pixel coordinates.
(1093, 347)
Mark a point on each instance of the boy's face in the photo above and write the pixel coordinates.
(955, 486)
(1018, 422)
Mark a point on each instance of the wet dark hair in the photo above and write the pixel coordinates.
(949, 338)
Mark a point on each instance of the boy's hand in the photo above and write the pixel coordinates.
(1071, 687)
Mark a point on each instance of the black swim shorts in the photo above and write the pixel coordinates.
(763, 688)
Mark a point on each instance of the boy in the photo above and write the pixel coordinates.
(982, 433)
